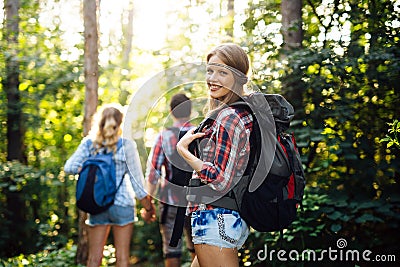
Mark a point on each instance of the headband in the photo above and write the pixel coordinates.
(242, 78)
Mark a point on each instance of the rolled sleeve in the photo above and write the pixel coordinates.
(223, 163)
(74, 163)
(155, 162)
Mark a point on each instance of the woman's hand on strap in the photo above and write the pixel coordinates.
(183, 149)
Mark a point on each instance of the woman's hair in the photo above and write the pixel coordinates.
(107, 130)
(238, 63)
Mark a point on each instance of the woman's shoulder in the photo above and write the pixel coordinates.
(86, 142)
(127, 149)
(234, 113)
(86, 139)
(128, 143)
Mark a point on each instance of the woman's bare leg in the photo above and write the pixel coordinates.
(212, 256)
(97, 237)
(122, 241)
(195, 262)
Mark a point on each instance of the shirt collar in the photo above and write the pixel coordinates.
(182, 124)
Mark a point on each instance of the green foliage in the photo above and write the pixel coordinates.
(62, 257)
(392, 137)
(146, 244)
(36, 199)
(30, 211)
(51, 90)
(343, 92)
(326, 217)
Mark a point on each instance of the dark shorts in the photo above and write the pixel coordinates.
(166, 232)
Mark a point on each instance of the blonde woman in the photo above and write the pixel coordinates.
(217, 232)
(121, 215)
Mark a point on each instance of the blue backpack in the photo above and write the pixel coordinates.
(96, 186)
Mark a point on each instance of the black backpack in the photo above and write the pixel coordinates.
(181, 170)
(269, 193)
(271, 189)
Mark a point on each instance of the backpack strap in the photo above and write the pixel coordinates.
(180, 215)
(175, 130)
(89, 143)
(178, 227)
(181, 211)
(119, 143)
(228, 200)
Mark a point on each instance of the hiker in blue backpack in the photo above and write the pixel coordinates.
(161, 165)
(120, 216)
(217, 232)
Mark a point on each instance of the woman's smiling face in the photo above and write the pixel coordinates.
(220, 80)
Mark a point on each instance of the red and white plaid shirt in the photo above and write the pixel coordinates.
(226, 151)
(158, 165)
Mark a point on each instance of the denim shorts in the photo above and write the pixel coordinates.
(219, 227)
(115, 215)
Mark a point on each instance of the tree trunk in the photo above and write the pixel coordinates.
(128, 35)
(15, 150)
(127, 30)
(91, 69)
(292, 33)
(15, 146)
(291, 24)
(231, 16)
(91, 58)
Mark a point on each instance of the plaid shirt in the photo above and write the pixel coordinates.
(226, 151)
(158, 165)
(128, 165)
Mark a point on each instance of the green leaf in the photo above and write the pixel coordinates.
(336, 228)
(12, 188)
(317, 138)
(350, 156)
(327, 209)
(384, 140)
(334, 216)
(341, 204)
(371, 204)
(290, 238)
(368, 218)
